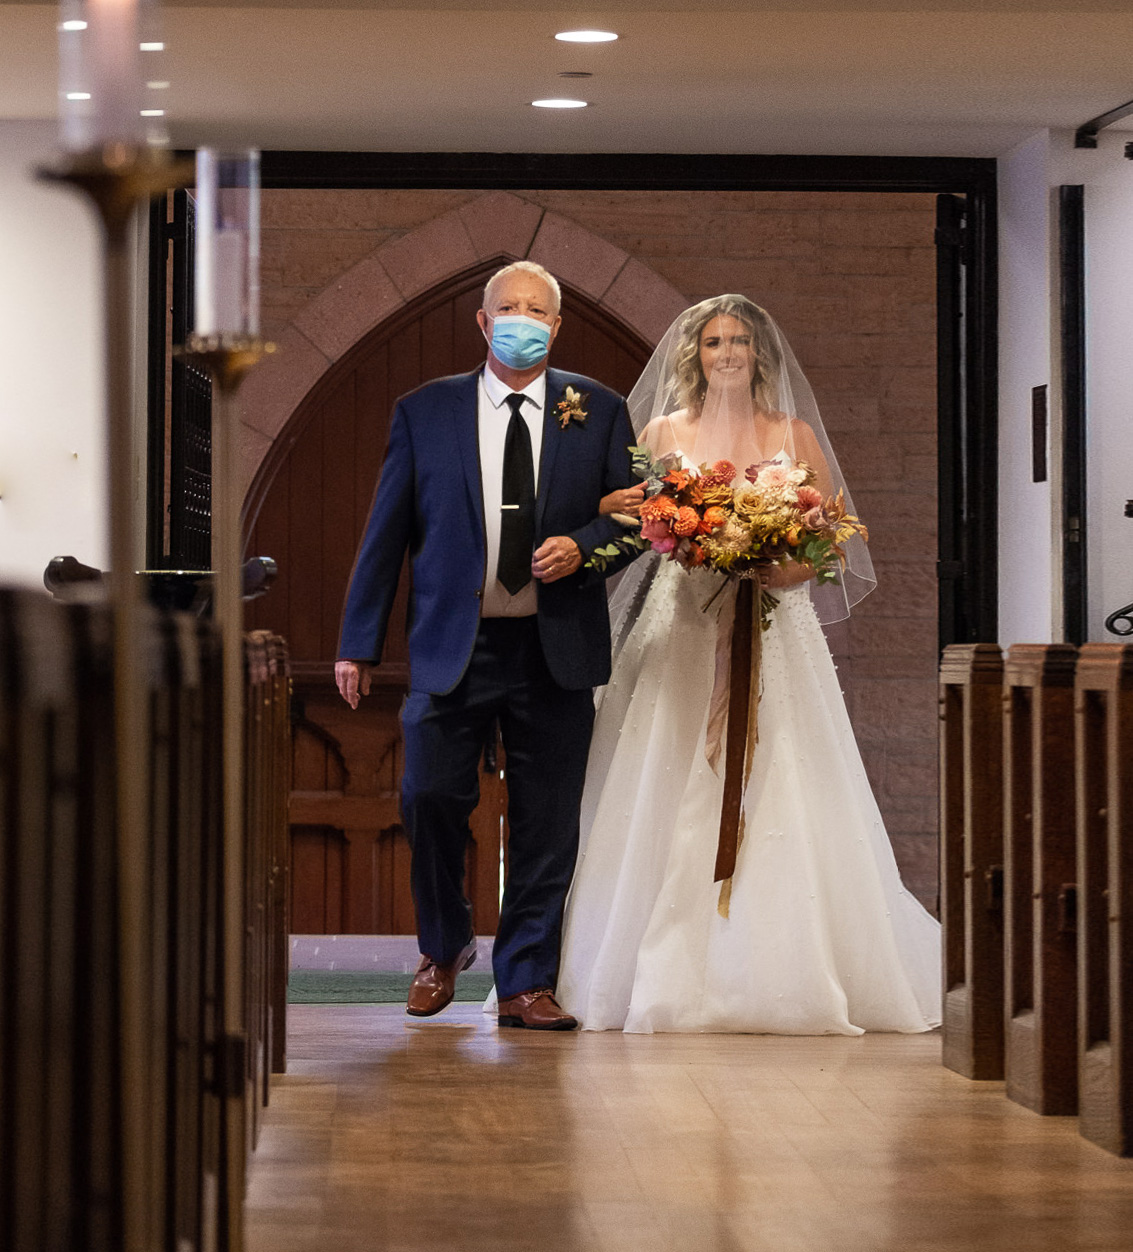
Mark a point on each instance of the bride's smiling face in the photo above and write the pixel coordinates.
(727, 354)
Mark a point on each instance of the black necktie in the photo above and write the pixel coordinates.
(517, 516)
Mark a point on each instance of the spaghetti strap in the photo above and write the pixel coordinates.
(673, 434)
(786, 438)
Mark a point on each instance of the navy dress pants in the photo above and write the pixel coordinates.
(546, 736)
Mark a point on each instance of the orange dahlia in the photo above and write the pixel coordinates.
(658, 509)
(724, 470)
(686, 522)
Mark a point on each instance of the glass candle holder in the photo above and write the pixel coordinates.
(227, 244)
(101, 74)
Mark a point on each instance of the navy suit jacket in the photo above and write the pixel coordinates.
(429, 502)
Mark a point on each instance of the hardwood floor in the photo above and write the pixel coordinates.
(444, 1134)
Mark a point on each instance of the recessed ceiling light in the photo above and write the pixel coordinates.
(153, 112)
(78, 95)
(73, 24)
(560, 104)
(152, 47)
(586, 36)
(157, 86)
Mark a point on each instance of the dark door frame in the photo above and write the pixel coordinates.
(967, 425)
(1072, 296)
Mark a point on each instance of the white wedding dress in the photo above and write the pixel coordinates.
(821, 937)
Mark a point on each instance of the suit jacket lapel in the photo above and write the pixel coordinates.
(556, 385)
(465, 415)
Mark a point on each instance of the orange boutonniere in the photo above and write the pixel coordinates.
(570, 407)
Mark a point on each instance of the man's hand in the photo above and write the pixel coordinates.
(555, 558)
(627, 501)
(353, 678)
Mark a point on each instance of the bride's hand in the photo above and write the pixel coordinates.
(628, 501)
(777, 577)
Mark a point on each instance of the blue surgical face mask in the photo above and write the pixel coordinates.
(520, 342)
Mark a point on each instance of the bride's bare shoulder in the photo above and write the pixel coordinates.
(801, 432)
(661, 434)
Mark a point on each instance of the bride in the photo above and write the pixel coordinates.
(814, 932)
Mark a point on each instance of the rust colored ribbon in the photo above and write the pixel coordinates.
(743, 726)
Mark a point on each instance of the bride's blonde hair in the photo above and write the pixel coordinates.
(692, 385)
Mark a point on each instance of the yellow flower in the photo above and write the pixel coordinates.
(710, 491)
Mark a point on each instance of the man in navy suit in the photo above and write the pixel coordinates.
(492, 483)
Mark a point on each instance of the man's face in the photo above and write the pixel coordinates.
(520, 294)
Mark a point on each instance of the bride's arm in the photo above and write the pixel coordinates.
(805, 447)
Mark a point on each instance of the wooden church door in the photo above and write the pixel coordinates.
(308, 506)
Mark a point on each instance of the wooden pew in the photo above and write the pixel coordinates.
(267, 754)
(1040, 975)
(279, 791)
(1104, 733)
(971, 825)
(62, 1080)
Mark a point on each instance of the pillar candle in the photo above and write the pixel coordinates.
(226, 242)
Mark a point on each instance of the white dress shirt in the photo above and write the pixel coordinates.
(493, 416)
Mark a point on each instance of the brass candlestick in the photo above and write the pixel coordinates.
(229, 358)
(117, 179)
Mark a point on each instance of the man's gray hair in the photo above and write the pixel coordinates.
(524, 267)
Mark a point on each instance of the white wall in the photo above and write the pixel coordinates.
(1108, 178)
(1030, 513)
(52, 463)
(1026, 557)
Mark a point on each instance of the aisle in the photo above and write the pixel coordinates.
(446, 1135)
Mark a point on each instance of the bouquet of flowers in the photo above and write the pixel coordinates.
(772, 514)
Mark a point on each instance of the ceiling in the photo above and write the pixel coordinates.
(905, 77)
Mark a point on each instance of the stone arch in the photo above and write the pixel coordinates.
(497, 223)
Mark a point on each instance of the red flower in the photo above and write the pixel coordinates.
(724, 470)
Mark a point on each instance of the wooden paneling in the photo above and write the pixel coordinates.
(1104, 716)
(1040, 963)
(307, 509)
(971, 812)
(316, 880)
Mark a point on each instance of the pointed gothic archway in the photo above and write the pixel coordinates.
(497, 226)
(307, 507)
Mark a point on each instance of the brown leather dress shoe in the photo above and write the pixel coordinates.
(434, 985)
(535, 1010)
